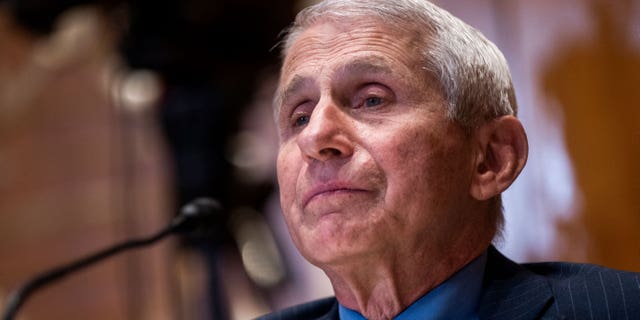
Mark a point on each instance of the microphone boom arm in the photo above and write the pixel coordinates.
(19, 297)
(192, 216)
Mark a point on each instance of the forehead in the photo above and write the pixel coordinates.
(329, 49)
(328, 46)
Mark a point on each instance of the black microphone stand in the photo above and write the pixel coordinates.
(191, 216)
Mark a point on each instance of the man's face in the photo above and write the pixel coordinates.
(368, 164)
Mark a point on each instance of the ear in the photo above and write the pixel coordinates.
(501, 154)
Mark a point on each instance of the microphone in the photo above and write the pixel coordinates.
(193, 216)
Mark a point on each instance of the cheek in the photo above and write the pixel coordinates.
(286, 182)
(416, 167)
(289, 164)
(287, 175)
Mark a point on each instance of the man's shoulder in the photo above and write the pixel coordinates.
(591, 290)
(567, 271)
(500, 267)
(557, 290)
(322, 309)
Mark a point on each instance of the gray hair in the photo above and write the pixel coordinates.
(472, 72)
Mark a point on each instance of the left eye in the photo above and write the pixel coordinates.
(372, 101)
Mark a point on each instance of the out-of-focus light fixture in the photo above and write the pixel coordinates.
(138, 90)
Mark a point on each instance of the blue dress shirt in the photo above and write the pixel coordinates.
(456, 298)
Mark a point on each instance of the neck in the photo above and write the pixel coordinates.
(381, 288)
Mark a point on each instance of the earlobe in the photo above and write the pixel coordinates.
(501, 155)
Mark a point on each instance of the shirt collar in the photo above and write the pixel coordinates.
(456, 298)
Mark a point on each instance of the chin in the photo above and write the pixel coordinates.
(334, 250)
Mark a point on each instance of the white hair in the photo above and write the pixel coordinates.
(472, 72)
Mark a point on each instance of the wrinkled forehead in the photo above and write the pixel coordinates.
(415, 30)
(330, 39)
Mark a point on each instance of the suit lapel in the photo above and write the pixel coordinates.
(333, 313)
(512, 292)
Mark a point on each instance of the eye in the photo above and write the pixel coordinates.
(372, 95)
(300, 113)
(301, 120)
(373, 101)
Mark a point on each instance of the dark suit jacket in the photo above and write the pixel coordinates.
(551, 290)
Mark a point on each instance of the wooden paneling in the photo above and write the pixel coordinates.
(76, 175)
(596, 81)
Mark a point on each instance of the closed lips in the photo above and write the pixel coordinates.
(327, 189)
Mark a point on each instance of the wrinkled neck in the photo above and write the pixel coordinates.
(383, 289)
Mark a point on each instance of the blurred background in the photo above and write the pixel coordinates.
(115, 113)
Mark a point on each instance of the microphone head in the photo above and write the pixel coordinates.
(198, 214)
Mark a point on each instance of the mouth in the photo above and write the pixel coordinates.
(329, 190)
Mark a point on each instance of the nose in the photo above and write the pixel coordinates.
(327, 134)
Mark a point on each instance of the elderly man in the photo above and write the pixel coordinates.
(397, 136)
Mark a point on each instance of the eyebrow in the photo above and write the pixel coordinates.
(281, 95)
(364, 65)
(296, 84)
